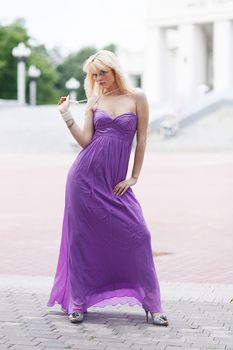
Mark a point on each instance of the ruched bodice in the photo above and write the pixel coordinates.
(122, 126)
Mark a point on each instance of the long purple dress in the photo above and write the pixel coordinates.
(105, 252)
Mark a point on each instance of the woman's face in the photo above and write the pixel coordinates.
(105, 78)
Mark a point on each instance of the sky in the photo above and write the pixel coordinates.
(72, 24)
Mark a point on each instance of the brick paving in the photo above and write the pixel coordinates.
(200, 318)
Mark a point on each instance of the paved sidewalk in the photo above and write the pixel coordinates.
(200, 318)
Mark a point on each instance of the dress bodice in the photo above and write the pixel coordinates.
(122, 126)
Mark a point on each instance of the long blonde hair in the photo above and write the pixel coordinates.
(103, 60)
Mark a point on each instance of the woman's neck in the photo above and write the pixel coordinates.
(113, 90)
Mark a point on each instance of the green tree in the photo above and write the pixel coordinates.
(10, 36)
(72, 66)
(47, 92)
(110, 47)
(55, 70)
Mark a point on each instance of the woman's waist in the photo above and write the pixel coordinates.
(128, 138)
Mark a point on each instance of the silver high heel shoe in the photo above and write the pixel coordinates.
(76, 317)
(160, 320)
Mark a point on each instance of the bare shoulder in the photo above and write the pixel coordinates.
(139, 93)
(91, 101)
(139, 96)
(140, 100)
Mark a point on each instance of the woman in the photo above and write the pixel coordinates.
(105, 253)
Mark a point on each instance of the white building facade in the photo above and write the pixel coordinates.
(189, 45)
(133, 63)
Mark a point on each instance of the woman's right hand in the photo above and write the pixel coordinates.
(64, 104)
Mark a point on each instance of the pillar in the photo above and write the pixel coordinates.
(21, 81)
(32, 91)
(192, 60)
(153, 81)
(223, 55)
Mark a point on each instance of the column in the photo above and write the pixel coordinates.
(21, 52)
(32, 91)
(21, 81)
(153, 76)
(223, 55)
(192, 60)
(33, 73)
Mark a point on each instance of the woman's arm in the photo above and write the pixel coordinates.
(143, 118)
(83, 137)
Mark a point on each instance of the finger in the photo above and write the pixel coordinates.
(121, 188)
(116, 187)
(62, 99)
(116, 190)
(125, 189)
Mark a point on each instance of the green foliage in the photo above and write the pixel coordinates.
(10, 36)
(55, 71)
(73, 67)
(47, 93)
(110, 47)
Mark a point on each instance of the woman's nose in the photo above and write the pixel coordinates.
(99, 78)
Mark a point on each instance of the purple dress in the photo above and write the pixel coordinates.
(105, 252)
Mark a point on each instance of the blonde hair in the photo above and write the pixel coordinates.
(102, 60)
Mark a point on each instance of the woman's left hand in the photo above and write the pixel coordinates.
(122, 186)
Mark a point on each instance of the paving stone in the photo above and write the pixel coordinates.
(193, 325)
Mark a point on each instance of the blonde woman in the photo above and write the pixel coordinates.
(105, 253)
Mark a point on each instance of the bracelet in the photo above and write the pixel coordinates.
(69, 126)
(66, 116)
(64, 113)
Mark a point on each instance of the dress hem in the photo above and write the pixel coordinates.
(105, 303)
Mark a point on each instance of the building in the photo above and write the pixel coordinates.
(189, 49)
(133, 62)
